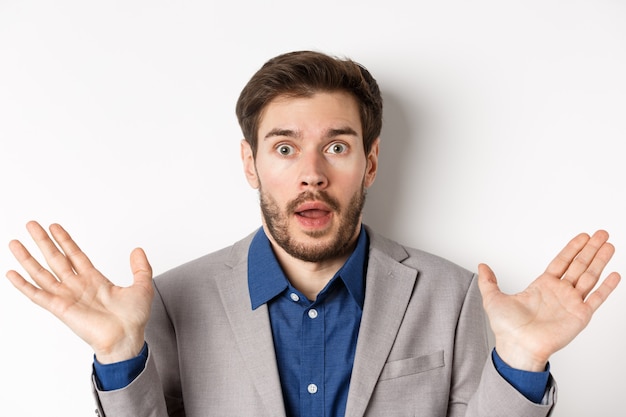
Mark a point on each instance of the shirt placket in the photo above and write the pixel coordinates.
(312, 361)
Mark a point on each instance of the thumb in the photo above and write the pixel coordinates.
(140, 267)
(487, 282)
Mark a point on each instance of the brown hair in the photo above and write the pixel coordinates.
(302, 74)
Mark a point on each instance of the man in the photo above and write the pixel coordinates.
(315, 314)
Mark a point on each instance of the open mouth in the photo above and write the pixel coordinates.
(313, 214)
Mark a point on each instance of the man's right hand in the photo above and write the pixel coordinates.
(111, 319)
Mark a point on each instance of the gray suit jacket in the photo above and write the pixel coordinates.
(422, 347)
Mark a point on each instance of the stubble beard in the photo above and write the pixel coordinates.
(277, 223)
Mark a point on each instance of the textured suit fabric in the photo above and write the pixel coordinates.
(422, 347)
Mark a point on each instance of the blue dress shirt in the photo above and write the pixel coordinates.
(314, 340)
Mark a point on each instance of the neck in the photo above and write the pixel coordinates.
(310, 277)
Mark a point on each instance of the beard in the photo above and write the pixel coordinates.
(277, 223)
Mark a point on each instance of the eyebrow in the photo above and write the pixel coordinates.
(282, 132)
(330, 133)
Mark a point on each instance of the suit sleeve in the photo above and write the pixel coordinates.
(494, 396)
(156, 392)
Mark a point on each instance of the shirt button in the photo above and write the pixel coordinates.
(312, 388)
(294, 297)
(312, 313)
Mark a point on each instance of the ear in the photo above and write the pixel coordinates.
(249, 169)
(372, 164)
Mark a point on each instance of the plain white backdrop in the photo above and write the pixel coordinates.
(503, 138)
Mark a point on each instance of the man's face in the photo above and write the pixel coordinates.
(312, 172)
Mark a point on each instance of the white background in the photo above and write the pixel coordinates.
(503, 138)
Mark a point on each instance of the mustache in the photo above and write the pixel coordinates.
(305, 196)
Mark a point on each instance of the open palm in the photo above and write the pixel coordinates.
(532, 325)
(111, 319)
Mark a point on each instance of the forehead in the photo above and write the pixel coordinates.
(319, 110)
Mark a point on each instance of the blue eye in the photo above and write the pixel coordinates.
(285, 150)
(337, 148)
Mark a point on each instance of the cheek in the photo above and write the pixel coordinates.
(273, 183)
(350, 177)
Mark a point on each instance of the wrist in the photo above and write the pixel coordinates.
(520, 358)
(122, 351)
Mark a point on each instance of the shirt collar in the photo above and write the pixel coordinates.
(266, 278)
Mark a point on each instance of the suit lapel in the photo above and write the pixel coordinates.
(253, 334)
(389, 286)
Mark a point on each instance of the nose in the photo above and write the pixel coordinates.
(313, 171)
